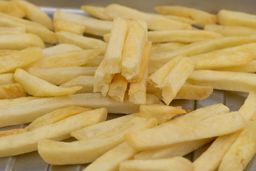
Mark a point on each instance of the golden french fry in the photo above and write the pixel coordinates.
(20, 41)
(39, 87)
(62, 75)
(11, 8)
(199, 16)
(12, 30)
(96, 11)
(55, 116)
(27, 141)
(31, 27)
(175, 79)
(183, 36)
(91, 25)
(133, 50)
(230, 30)
(154, 22)
(235, 18)
(93, 147)
(176, 163)
(180, 149)
(20, 59)
(224, 80)
(111, 159)
(249, 67)
(34, 13)
(67, 26)
(60, 49)
(81, 41)
(86, 82)
(14, 90)
(162, 47)
(88, 57)
(12, 132)
(194, 92)
(118, 88)
(6, 79)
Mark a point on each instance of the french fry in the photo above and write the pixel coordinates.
(143, 140)
(181, 19)
(31, 27)
(176, 163)
(27, 141)
(11, 8)
(249, 67)
(194, 92)
(40, 88)
(234, 56)
(88, 57)
(162, 47)
(20, 59)
(183, 36)
(86, 82)
(91, 25)
(67, 26)
(230, 30)
(55, 116)
(118, 88)
(93, 147)
(60, 49)
(111, 159)
(22, 112)
(8, 91)
(12, 30)
(241, 151)
(114, 51)
(154, 22)
(81, 41)
(6, 79)
(224, 80)
(20, 41)
(34, 13)
(96, 11)
(11, 132)
(62, 75)
(199, 16)
(180, 72)
(235, 18)
(180, 149)
(133, 50)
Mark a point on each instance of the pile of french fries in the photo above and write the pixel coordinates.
(60, 77)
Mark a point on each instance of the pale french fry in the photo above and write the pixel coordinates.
(224, 80)
(181, 19)
(230, 30)
(60, 49)
(94, 147)
(59, 76)
(176, 163)
(67, 26)
(175, 79)
(7, 52)
(27, 141)
(180, 149)
(96, 11)
(12, 30)
(22, 112)
(199, 16)
(154, 22)
(113, 55)
(194, 92)
(31, 27)
(20, 41)
(81, 41)
(198, 48)
(8, 91)
(235, 18)
(11, 8)
(234, 56)
(241, 151)
(162, 113)
(111, 159)
(90, 57)
(183, 36)
(91, 25)
(162, 47)
(20, 59)
(6, 102)
(133, 50)
(6, 79)
(249, 67)
(86, 82)
(12, 132)
(118, 88)
(34, 13)
(181, 131)
(55, 116)
(40, 88)
(248, 109)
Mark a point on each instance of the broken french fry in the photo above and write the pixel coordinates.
(117, 89)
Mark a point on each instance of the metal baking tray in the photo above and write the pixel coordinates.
(33, 162)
